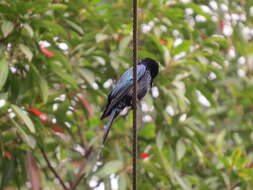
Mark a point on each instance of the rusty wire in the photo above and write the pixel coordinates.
(135, 60)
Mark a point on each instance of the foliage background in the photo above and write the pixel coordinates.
(59, 59)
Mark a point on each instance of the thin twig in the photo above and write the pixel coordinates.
(77, 181)
(80, 174)
(82, 139)
(85, 103)
(52, 169)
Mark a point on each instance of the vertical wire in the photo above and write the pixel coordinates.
(135, 57)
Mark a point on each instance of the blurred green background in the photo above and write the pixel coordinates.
(59, 59)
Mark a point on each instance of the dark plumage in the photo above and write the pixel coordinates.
(121, 95)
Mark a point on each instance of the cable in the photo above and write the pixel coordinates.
(135, 60)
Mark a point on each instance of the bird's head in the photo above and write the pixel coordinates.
(152, 65)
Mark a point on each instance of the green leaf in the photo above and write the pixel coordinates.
(182, 182)
(64, 76)
(160, 138)
(175, 13)
(91, 162)
(156, 42)
(124, 44)
(58, 6)
(88, 75)
(180, 148)
(183, 47)
(4, 70)
(7, 28)
(28, 139)
(110, 168)
(64, 61)
(43, 89)
(29, 30)
(122, 182)
(28, 53)
(148, 131)
(8, 171)
(75, 27)
(21, 115)
(198, 152)
(43, 85)
(236, 155)
(3, 96)
(53, 27)
(198, 10)
(166, 163)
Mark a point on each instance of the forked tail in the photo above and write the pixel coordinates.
(113, 114)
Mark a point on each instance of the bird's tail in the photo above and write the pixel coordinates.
(113, 114)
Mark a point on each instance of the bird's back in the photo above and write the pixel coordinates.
(121, 95)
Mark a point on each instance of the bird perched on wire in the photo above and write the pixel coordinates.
(122, 94)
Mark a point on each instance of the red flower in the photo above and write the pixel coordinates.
(7, 155)
(144, 156)
(221, 25)
(35, 111)
(163, 42)
(47, 52)
(42, 115)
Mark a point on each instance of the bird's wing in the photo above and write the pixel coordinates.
(126, 81)
(122, 87)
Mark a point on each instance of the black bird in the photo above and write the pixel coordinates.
(121, 95)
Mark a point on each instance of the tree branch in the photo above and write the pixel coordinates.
(52, 169)
(86, 104)
(80, 174)
(77, 180)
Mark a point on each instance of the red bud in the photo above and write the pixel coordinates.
(221, 25)
(7, 155)
(163, 42)
(47, 52)
(144, 156)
